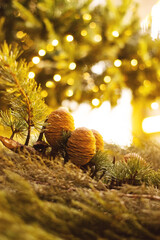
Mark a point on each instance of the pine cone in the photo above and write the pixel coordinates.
(99, 140)
(81, 146)
(136, 156)
(58, 121)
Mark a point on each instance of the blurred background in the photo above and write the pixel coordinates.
(100, 59)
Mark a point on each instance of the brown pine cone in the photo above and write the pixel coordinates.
(99, 140)
(134, 156)
(58, 121)
(81, 146)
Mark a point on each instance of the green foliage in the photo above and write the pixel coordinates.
(22, 94)
(43, 21)
(135, 170)
(12, 120)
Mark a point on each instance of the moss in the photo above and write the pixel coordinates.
(45, 199)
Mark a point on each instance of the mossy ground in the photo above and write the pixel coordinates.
(43, 199)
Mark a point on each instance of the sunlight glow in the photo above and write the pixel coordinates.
(155, 29)
(114, 125)
(151, 124)
(152, 20)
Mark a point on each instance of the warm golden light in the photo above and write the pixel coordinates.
(146, 83)
(50, 47)
(103, 87)
(97, 38)
(117, 63)
(155, 27)
(55, 42)
(155, 105)
(70, 81)
(115, 34)
(31, 75)
(84, 33)
(115, 127)
(20, 34)
(72, 66)
(95, 89)
(49, 84)
(57, 77)
(42, 52)
(151, 124)
(87, 17)
(134, 62)
(44, 93)
(69, 38)
(95, 102)
(69, 93)
(92, 25)
(107, 79)
(35, 60)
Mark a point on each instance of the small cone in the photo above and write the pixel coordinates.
(99, 140)
(130, 156)
(58, 121)
(81, 146)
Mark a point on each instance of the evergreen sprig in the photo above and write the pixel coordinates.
(134, 171)
(22, 93)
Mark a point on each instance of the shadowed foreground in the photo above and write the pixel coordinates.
(42, 199)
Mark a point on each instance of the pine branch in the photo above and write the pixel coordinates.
(12, 120)
(29, 110)
(22, 93)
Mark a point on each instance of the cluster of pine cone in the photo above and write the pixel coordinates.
(82, 143)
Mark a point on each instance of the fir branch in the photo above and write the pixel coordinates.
(26, 14)
(12, 120)
(22, 93)
(28, 105)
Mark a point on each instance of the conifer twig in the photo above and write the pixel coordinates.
(29, 121)
(27, 106)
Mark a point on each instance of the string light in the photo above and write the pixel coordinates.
(57, 77)
(72, 65)
(97, 38)
(49, 84)
(44, 93)
(84, 33)
(155, 105)
(95, 89)
(70, 81)
(20, 34)
(146, 83)
(55, 42)
(107, 79)
(69, 93)
(35, 60)
(42, 52)
(50, 47)
(117, 63)
(115, 34)
(69, 38)
(134, 62)
(102, 87)
(92, 25)
(87, 17)
(95, 102)
(31, 75)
